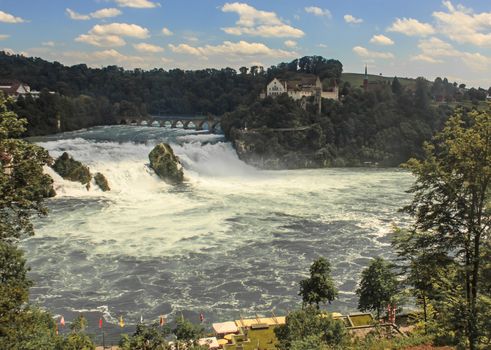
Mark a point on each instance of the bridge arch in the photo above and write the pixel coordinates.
(177, 124)
(216, 126)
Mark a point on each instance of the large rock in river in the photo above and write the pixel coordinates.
(101, 181)
(166, 164)
(71, 169)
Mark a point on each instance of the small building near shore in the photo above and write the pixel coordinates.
(224, 328)
(15, 89)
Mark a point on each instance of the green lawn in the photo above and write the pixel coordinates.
(356, 79)
(265, 337)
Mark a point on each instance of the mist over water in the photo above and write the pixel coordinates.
(231, 240)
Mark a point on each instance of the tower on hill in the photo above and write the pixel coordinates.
(365, 79)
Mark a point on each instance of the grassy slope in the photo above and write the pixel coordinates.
(356, 79)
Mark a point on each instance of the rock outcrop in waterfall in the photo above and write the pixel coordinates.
(166, 164)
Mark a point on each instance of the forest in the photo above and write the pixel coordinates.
(385, 125)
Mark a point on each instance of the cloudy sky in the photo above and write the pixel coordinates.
(394, 37)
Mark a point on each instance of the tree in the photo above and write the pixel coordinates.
(378, 286)
(310, 326)
(185, 330)
(319, 288)
(78, 339)
(421, 93)
(151, 337)
(452, 205)
(396, 86)
(22, 189)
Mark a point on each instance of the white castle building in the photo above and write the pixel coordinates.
(306, 86)
(300, 89)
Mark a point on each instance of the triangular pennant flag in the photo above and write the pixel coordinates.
(121, 321)
(62, 321)
(100, 323)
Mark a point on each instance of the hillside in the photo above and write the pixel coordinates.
(356, 79)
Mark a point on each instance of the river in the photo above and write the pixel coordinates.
(231, 241)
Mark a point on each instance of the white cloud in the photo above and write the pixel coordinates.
(186, 49)
(352, 20)
(8, 18)
(433, 49)
(425, 58)
(101, 40)
(365, 53)
(322, 46)
(141, 4)
(102, 13)
(110, 35)
(258, 23)
(279, 31)
(106, 13)
(145, 47)
(240, 48)
(290, 43)
(476, 61)
(317, 11)
(381, 40)
(165, 31)
(464, 26)
(48, 43)
(4, 36)
(77, 16)
(121, 29)
(411, 27)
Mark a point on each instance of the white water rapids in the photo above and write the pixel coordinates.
(232, 240)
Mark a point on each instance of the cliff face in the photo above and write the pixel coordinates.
(294, 148)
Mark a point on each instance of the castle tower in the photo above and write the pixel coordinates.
(365, 80)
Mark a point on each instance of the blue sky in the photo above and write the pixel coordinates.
(394, 37)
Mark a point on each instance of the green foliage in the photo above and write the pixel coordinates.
(452, 213)
(22, 182)
(310, 326)
(319, 288)
(77, 339)
(187, 331)
(22, 189)
(378, 287)
(152, 337)
(376, 341)
(29, 329)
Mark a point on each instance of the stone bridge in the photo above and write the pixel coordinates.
(209, 122)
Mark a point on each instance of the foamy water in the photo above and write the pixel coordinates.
(232, 240)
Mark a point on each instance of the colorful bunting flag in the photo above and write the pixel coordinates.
(161, 320)
(100, 323)
(121, 321)
(62, 321)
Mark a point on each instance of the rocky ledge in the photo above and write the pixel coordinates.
(73, 170)
(166, 164)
